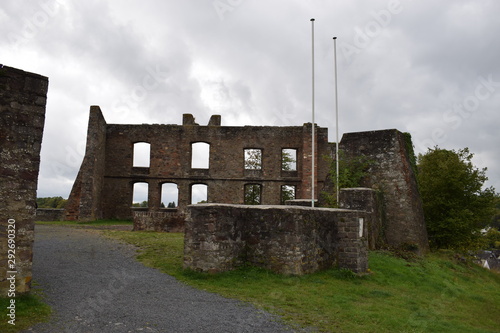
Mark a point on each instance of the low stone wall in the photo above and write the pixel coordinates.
(301, 202)
(163, 220)
(365, 199)
(49, 214)
(285, 239)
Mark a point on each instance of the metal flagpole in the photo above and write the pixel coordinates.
(336, 118)
(312, 131)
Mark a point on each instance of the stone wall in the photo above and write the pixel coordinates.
(169, 220)
(365, 199)
(391, 174)
(23, 97)
(285, 239)
(49, 214)
(85, 200)
(104, 185)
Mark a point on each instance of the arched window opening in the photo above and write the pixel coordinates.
(169, 195)
(142, 154)
(199, 193)
(140, 195)
(200, 155)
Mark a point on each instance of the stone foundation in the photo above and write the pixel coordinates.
(285, 239)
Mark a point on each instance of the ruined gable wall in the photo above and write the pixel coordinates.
(85, 200)
(392, 175)
(23, 97)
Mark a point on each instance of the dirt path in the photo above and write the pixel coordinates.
(94, 284)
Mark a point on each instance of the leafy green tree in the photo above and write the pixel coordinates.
(252, 194)
(495, 221)
(492, 239)
(51, 202)
(352, 170)
(456, 207)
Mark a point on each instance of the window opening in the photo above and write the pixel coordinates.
(287, 193)
(199, 193)
(253, 159)
(289, 159)
(253, 194)
(200, 155)
(142, 154)
(140, 195)
(169, 195)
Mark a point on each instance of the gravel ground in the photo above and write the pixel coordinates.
(94, 284)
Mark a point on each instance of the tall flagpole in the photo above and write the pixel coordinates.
(312, 131)
(336, 119)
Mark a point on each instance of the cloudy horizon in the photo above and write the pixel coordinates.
(427, 68)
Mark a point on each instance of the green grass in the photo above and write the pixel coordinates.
(30, 310)
(89, 223)
(435, 294)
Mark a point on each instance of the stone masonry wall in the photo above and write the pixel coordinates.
(49, 214)
(23, 97)
(285, 239)
(104, 185)
(169, 220)
(85, 200)
(365, 199)
(392, 176)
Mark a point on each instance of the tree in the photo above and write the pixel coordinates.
(455, 206)
(51, 202)
(288, 160)
(252, 194)
(495, 221)
(140, 204)
(287, 193)
(352, 170)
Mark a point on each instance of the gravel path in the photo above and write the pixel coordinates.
(94, 284)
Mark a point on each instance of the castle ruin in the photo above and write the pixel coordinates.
(251, 165)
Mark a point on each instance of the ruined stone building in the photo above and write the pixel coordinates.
(249, 173)
(23, 97)
(262, 165)
(244, 162)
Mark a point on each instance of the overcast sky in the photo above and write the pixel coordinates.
(425, 67)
